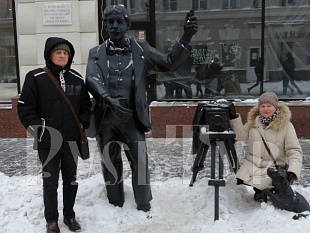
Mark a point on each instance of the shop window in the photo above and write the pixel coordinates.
(288, 3)
(8, 76)
(230, 53)
(200, 4)
(229, 4)
(308, 54)
(5, 9)
(257, 3)
(236, 42)
(130, 5)
(170, 5)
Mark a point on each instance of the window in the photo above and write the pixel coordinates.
(257, 3)
(6, 9)
(236, 42)
(308, 54)
(229, 4)
(199, 4)
(288, 2)
(8, 76)
(230, 53)
(170, 5)
(127, 3)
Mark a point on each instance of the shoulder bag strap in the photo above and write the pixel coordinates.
(61, 91)
(267, 148)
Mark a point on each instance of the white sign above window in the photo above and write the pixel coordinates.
(57, 14)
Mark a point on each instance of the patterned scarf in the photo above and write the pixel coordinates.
(266, 120)
(62, 80)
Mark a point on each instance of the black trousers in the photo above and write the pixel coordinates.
(112, 136)
(255, 84)
(52, 163)
(289, 79)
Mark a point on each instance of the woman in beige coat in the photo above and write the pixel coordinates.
(271, 121)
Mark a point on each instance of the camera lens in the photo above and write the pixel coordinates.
(217, 120)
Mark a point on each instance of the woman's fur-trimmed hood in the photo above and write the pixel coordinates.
(280, 121)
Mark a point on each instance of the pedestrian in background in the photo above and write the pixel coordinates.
(214, 71)
(46, 115)
(289, 74)
(199, 79)
(257, 70)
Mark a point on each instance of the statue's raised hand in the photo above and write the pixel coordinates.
(190, 27)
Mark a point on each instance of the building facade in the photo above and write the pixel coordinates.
(229, 30)
(260, 45)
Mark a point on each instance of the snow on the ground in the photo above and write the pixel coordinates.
(176, 207)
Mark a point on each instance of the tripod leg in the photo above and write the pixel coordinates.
(216, 202)
(199, 160)
(216, 183)
(201, 155)
(230, 157)
(233, 153)
(213, 149)
(221, 167)
(216, 187)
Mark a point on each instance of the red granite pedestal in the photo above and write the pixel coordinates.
(174, 119)
(10, 125)
(169, 119)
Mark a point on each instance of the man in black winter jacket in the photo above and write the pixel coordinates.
(46, 115)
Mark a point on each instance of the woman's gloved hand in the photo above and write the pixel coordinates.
(291, 177)
(232, 112)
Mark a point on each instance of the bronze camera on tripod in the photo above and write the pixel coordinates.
(214, 131)
(217, 117)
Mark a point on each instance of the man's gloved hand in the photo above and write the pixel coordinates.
(120, 112)
(291, 177)
(232, 112)
(190, 27)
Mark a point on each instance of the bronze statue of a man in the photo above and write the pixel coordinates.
(116, 76)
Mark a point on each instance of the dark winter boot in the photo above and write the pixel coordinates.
(144, 207)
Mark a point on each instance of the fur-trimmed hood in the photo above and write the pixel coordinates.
(280, 121)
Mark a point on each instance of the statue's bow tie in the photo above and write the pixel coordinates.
(114, 50)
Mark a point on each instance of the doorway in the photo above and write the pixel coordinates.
(254, 54)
